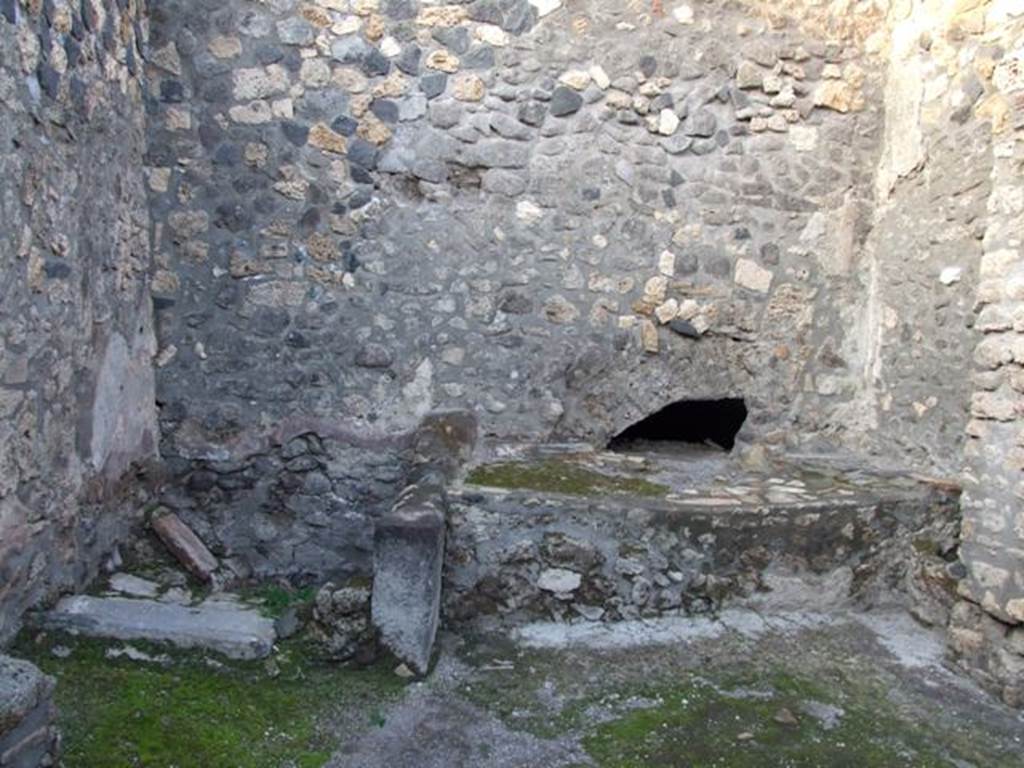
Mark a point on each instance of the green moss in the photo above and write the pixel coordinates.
(275, 599)
(198, 712)
(722, 724)
(659, 713)
(561, 476)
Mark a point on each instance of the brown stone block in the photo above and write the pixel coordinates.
(185, 545)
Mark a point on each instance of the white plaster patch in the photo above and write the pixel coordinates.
(951, 275)
(528, 211)
(683, 14)
(803, 137)
(546, 7)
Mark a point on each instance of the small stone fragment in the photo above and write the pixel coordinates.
(576, 79)
(649, 336)
(443, 61)
(323, 137)
(559, 580)
(684, 328)
(838, 95)
(752, 276)
(468, 88)
(785, 717)
(950, 275)
(668, 122)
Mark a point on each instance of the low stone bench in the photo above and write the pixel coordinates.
(28, 736)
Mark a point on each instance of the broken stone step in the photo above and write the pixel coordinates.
(234, 630)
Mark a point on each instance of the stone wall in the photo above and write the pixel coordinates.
(561, 217)
(991, 641)
(920, 260)
(76, 382)
(939, 327)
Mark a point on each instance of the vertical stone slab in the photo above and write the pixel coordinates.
(408, 554)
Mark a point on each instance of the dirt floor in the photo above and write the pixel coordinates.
(799, 689)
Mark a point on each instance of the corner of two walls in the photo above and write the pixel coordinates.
(77, 411)
(945, 306)
(362, 209)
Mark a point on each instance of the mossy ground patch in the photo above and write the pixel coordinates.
(200, 710)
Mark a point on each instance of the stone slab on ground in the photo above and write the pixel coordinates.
(221, 625)
(408, 554)
(28, 737)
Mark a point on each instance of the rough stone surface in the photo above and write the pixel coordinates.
(28, 733)
(707, 533)
(77, 406)
(359, 213)
(341, 621)
(185, 545)
(407, 560)
(218, 624)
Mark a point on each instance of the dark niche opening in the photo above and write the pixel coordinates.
(710, 423)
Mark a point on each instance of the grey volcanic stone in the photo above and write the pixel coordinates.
(684, 328)
(479, 58)
(433, 85)
(533, 112)
(350, 50)
(509, 127)
(295, 31)
(565, 101)
(497, 153)
(399, 9)
(701, 123)
(373, 355)
(296, 133)
(28, 737)
(237, 631)
(22, 688)
(455, 39)
(376, 63)
(408, 61)
(407, 558)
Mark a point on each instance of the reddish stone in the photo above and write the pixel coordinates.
(185, 545)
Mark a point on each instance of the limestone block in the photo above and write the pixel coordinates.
(839, 96)
(443, 61)
(752, 276)
(649, 336)
(228, 627)
(323, 137)
(260, 82)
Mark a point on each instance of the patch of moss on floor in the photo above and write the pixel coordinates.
(697, 723)
(198, 711)
(561, 476)
(665, 713)
(275, 599)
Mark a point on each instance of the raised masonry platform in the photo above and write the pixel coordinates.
(568, 533)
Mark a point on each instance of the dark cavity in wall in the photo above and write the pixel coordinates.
(711, 423)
